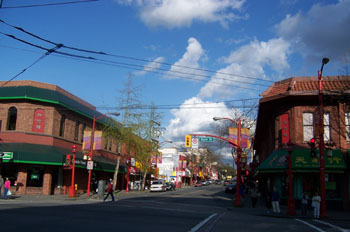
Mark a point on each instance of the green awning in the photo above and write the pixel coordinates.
(50, 155)
(302, 161)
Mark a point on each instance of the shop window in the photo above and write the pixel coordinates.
(83, 127)
(110, 144)
(62, 125)
(39, 121)
(308, 126)
(12, 118)
(76, 132)
(327, 127)
(0, 124)
(347, 126)
(35, 177)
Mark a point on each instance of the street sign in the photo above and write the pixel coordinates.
(7, 155)
(90, 165)
(206, 139)
(195, 143)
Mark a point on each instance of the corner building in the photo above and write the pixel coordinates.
(39, 124)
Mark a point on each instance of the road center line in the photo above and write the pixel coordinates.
(197, 227)
(312, 226)
(331, 225)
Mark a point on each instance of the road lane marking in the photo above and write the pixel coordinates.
(197, 227)
(177, 210)
(312, 226)
(331, 225)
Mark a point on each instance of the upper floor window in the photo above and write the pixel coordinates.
(327, 128)
(12, 118)
(62, 125)
(39, 121)
(308, 126)
(76, 132)
(83, 127)
(347, 125)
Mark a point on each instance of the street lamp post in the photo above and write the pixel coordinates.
(238, 159)
(71, 190)
(92, 145)
(323, 212)
(291, 202)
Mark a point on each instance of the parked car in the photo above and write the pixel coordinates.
(231, 188)
(198, 184)
(205, 183)
(170, 186)
(158, 186)
(218, 182)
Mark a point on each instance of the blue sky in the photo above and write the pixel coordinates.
(264, 40)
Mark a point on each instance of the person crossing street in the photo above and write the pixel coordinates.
(109, 190)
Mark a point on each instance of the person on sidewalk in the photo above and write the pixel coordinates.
(254, 196)
(7, 185)
(1, 184)
(316, 200)
(109, 190)
(304, 203)
(275, 201)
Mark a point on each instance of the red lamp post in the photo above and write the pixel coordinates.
(323, 212)
(291, 202)
(92, 145)
(238, 159)
(127, 177)
(71, 190)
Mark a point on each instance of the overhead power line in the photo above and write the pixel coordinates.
(49, 4)
(134, 58)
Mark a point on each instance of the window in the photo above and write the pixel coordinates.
(76, 132)
(327, 127)
(82, 132)
(110, 144)
(308, 126)
(0, 124)
(12, 118)
(62, 125)
(347, 126)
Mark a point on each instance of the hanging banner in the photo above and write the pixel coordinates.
(86, 140)
(245, 135)
(233, 136)
(98, 140)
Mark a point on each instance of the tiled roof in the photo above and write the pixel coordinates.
(307, 85)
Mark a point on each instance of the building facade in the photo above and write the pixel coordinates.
(288, 113)
(39, 123)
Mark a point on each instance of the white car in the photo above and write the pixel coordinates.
(158, 186)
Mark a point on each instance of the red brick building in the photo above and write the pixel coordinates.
(288, 111)
(39, 123)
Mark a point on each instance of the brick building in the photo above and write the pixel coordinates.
(288, 111)
(39, 123)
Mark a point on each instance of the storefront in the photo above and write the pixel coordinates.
(39, 169)
(306, 174)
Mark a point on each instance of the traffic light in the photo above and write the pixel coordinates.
(188, 141)
(68, 160)
(312, 148)
(247, 172)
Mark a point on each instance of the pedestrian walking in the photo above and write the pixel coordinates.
(1, 184)
(275, 201)
(109, 191)
(7, 185)
(304, 203)
(254, 196)
(316, 200)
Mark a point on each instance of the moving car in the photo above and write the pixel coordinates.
(227, 182)
(231, 188)
(158, 186)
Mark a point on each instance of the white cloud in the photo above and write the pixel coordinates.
(179, 13)
(191, 58)
(194, 116)
(322, 31)
(248, 60)
(151, 66)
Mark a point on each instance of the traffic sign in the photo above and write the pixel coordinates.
(207, 139)
(195, 143)
(90, 165)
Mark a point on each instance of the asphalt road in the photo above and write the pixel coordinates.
(200, 209)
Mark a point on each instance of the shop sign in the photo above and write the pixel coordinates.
(7, 155)
(34, 176)
(90, 165)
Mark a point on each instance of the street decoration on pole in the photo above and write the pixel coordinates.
(72, 191)
(323, 213)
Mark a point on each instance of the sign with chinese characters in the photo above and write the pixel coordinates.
(39, 121)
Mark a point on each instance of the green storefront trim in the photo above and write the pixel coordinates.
(50, 155)
(302, 162)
